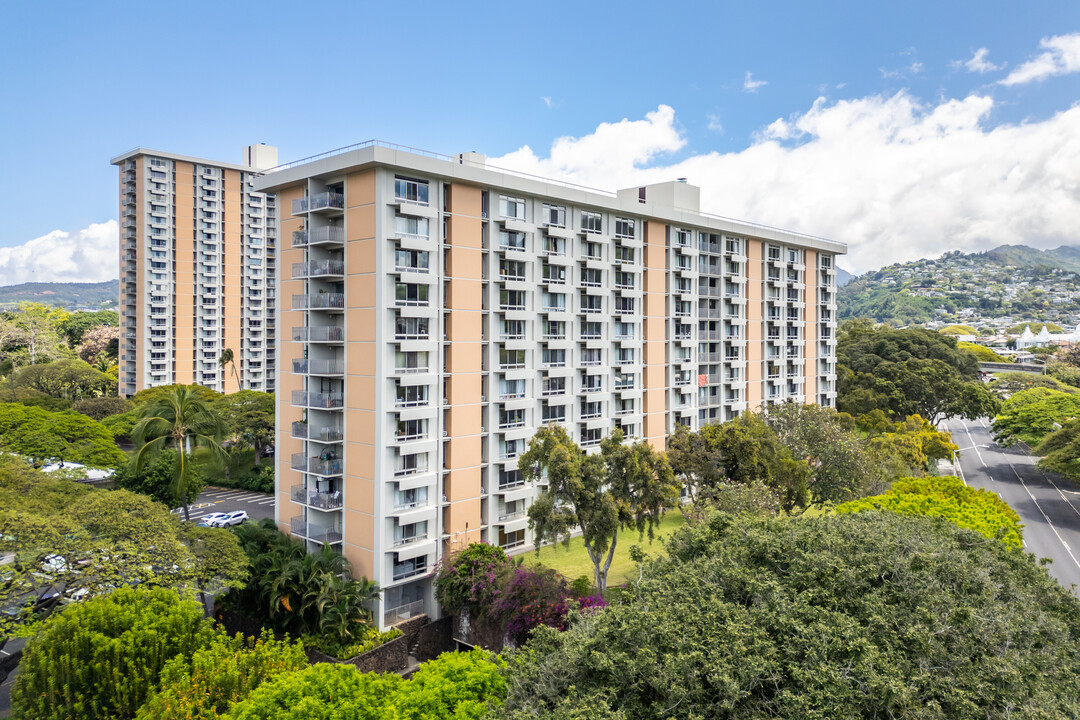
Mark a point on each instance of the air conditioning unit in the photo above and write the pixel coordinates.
(483, 429)
(483, 215)
(444, 433)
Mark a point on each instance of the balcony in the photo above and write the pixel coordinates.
(318, 367)
(329, 333)
(327, 235)
(319, 201)
(409, 540)
(321, 401)
(512, 516)
(320, 301)
(318, 268)
(395, 615)
(410, 568)
(315, 465)
(315, 533)
(316, 499)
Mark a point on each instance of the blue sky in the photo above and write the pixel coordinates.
(847, 120)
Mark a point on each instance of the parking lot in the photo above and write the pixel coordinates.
(220, 500)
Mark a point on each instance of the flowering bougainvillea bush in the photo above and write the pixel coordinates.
(498, 592)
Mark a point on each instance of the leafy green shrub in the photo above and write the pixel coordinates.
(206, 684)
(120, 425)
(461, 686)
(365, 641)
(947, 497)
(102, 658)
(581, 587)
(467, 579)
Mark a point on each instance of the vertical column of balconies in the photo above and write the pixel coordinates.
(826, 352)
(628, 301)
(129, 276)
(685, 329)
(409, 493)
(714, 347)
(257, 268)
(734, 318)
(785, 323)
(209, 261)
(320, 368)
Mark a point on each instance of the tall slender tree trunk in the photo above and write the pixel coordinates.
(181, 485)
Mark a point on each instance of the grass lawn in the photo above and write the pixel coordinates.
(573, 562)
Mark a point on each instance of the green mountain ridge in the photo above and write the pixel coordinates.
(61, 294)
(1014, 281)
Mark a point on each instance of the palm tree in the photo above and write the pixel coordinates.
(227, 359)
(182, 420)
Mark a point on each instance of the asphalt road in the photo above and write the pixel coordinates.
(215, 499)
(1048, 505)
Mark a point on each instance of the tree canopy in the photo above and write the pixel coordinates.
(621, 486)
(1029, 416)
(70, 541)
(40, 434)
(908, 372)
(846, 616)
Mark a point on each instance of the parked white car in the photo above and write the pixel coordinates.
(233, 518)
(210, 518)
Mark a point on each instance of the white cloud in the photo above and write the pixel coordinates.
(715, 125)
(88, 255)
(547, 101)
(1061, 56)
(892, 177)
(751, 85)
(978, 63)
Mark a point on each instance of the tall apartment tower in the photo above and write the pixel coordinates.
(436, 312)
(197, 271)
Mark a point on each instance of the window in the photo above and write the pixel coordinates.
(624, 381)
(411, 260)
(554, 274)
(511, 269)
(591, 383)
(409, 190)
(794, 256)
(511, 359)
(513, 329)
(554, 246)
(626, 355)
(593, 251)
(512, 240)
(411, 226)
(682, 238)
(624, 228)
(591, 222)
(624, 406)
(732, 246)
(591, 436)
(410, 498)
(411, 294)
(592, 303)
(413, 532)
(411, 429)
(412, 395)
(553, 386)
(625, 256)
(511, 299)
(591, 277)
(510, 479)
(412, 361)
(774, 252)
(625, 280)
(510, 449)
(554, 302)
(511, 208)
(624, 306)
(410, 464)
(624, 330)
(510, 419)
(511, 389)
(553, 215)
(590, 356)
(590, 410)
(550, 357)
(590, 331)
(554, 330)
(553, 413)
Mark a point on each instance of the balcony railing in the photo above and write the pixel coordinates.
(318, 268)
(325, 401)
(410, 568)
(318, 201)
(314, 532)
(318, 367)
(512, 516)
(330, 333)
(410, 540)
(320, 301)
(316, 499)
(318, 236)
(401, 613)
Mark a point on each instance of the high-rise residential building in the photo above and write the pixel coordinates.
(197, 271)
(437, 311)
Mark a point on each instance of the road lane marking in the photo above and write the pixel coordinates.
(1043, 513)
